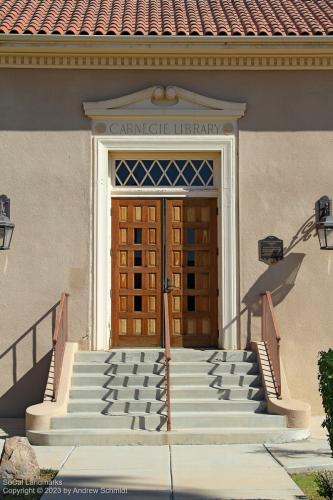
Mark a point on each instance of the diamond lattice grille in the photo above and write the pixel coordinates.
(164, 173)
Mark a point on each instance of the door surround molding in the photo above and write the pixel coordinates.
(227, 197)
(168, 119)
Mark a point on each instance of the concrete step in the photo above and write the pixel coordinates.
(121, 355)
(177, 392)
(84, 379)
(212, 355)
(92, 420)
(180, 420)
(218, 381)
(240, 367)
(109, 407)
(119, 393)
(102, 437)
(200, 367)
(157, 355)
(226, 419)
(119, 368)
(141, 407)
(227, 393)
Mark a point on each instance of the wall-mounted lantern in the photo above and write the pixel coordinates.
(6, 227)
(324, 222)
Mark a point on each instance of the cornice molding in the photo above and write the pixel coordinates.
(210, 53)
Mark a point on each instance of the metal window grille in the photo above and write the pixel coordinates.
(164, 173)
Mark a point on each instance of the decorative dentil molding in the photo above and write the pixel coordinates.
(172, 62)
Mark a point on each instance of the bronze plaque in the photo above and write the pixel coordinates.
(270, 250)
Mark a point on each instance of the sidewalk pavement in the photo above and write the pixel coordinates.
(305, 456)
(184, 472)
(177, 472)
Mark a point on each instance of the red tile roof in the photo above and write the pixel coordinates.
(167, 17)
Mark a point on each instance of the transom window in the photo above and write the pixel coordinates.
(164, 172)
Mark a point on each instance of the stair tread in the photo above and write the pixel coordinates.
(161, 375)
(154, 400)
(89, 414)
(230, 362)
(211, 430)
(128, 362)
(161, 363)
(227, 387)
(159, 349)
(101, 375)
(174, 388)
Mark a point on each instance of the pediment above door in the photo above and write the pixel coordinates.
(170, 101)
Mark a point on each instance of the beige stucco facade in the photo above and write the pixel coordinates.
(285, 148)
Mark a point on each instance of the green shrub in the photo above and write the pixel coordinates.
(324, 482)
(325, 376)
(307, 482)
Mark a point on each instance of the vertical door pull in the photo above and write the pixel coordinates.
(167, 285)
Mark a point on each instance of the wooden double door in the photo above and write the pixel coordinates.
(160, 244)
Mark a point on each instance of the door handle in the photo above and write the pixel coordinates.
(167, 285)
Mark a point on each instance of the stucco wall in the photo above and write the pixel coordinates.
(285, 154)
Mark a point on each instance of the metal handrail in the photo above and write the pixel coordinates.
(167, 359)
(60, 338)
(271, 337)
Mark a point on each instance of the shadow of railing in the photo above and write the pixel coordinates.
(28, 388)
(278, 279)
(33, 332)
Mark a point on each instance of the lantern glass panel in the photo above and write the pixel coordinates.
(2, 237)
(329, 237)
(6, 234)
(325, 235)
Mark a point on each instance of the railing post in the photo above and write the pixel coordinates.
(278, 382)
(263, 315)
(271, 337)
(167, 359)
(60, 338)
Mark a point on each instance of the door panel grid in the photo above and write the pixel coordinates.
(192, 267)
(137, 268)
(136, 272)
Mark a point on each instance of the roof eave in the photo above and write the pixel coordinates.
(140, 41)
(160, 52)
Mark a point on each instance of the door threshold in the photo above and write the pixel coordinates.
(161, 348)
